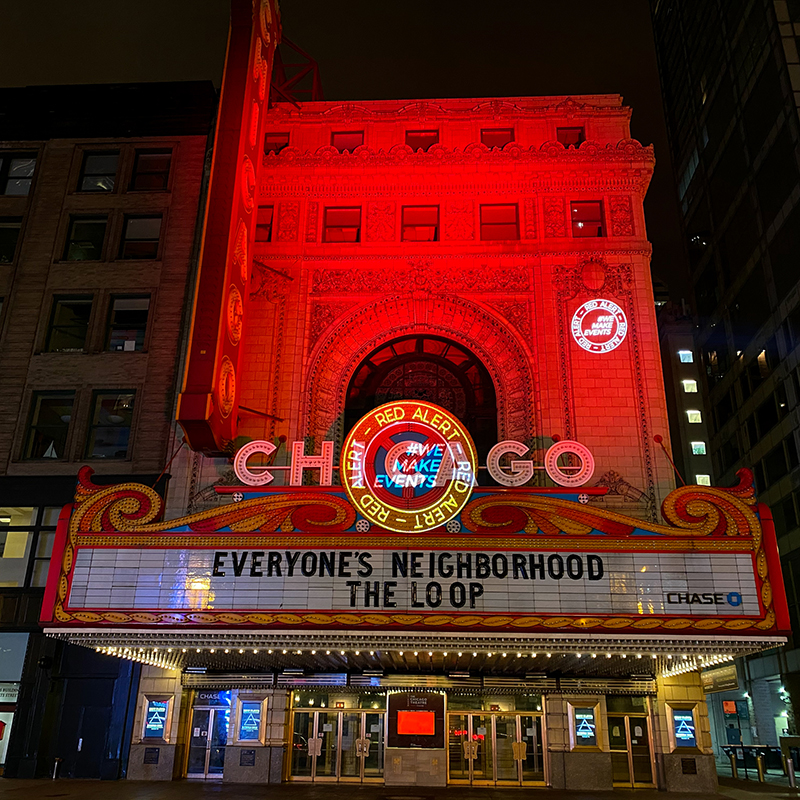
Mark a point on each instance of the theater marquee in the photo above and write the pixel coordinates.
(502, 558)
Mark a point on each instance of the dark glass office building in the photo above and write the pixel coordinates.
(730, 75)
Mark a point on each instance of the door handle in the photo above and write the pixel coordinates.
(314, 747)
(362, 747)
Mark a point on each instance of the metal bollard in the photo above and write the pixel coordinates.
(790, 772)
(760, 768)
(56, 767)
(734, 770)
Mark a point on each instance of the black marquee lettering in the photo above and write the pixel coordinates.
(483, 568)
(575, 567)
(518, 565)
(291, 560)
(555, 566)
(344, 563)
(388, 594)
(400, 565)
(475, 591)
(366, 567)
(458, 595)
(308, 566)
(326, 563)
(238, 566)
(594, 565)
(273, 563)
(433, 594)
(353, 586)
(219, 557)
(255, 563)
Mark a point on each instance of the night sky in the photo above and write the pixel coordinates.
(373, 49)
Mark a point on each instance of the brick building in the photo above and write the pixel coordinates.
(100, 193)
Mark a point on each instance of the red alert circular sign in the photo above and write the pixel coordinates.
(409, 466)
(599, 326)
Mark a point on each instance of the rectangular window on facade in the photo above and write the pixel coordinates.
(587, 218)
(99, 172)
(347, 140)
(110, 425)
(702, 480)
(85, 238)
(26, 544)
(421, 140)
(128, 323)
(571, 137)
(275, 142)
(694, 416)
(420, 224)
(264, 224)
(499, 222)
(46, 436)
(151, 170)
(9, 236)
(686, 356)
(69, 324)
(342, 225)
(698, 448)
(689, 386)
(497, 137)
(16, 173)
(140, 238)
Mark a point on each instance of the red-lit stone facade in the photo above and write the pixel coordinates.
(318, 309)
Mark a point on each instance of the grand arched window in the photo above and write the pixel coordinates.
(429, 368)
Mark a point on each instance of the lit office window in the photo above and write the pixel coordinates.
(698, 448)
(690, 387)
(685, 356)
(703, 480)
(694, 416)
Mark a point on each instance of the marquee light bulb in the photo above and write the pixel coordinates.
(459, 654)
(198, 649)
(327, 652)
(415, 652)
(430, 652)
(401, 652)
(372, 652)
(342, 652)
(313, 652)
(474, 654)
(269, 651)
(286, 651)
(227, 650)
(549, 655)
(212, 650)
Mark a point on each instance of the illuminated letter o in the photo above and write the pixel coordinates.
(569, 479)
(240, 463)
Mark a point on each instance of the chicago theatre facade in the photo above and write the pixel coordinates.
(444, 544)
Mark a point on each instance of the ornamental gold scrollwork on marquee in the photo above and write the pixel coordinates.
(127, 514)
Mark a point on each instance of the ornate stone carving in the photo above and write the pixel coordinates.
(288, 221)
(555, 223)
(621, 210)
(419, 275)
(322, 317)
(517, 314)
(624, 151)
(268, 283)
(344, 346)
(312, 218)
(381, 222)
(614, 279)
(529, 222)
(459, 222)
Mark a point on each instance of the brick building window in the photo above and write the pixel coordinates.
(69, 324)
(499, 222)
(275, 142)
(48, 425)
(99, 172)
(698, 448)
(347, 140)
(694, 416)
(26, 544)
(9, 235)
(587, 218)
(689, 386)
(571, 137)
(497, 137)
(128, 323)
(264, 223)
(342, 225)
(686, 356)
(420, 224)
(421, 140)
(140, 238)
(16, 173)
(151, 170)
(110, 425)
(85, 238)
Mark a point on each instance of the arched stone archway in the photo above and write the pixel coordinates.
(341, 349)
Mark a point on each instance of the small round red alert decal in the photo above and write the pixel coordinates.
(599, 326)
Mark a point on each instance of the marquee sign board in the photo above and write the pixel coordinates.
(525, 560)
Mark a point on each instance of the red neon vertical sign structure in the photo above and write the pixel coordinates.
(207, 406)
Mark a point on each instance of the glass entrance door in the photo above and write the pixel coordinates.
(337, 746)
(207, 741)
(631, 755)
(499, 749)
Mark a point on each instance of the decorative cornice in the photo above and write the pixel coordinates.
(624, 151)
(493, 108)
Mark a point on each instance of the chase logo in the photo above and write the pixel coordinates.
(717, 599)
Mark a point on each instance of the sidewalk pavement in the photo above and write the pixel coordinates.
(199, 790)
